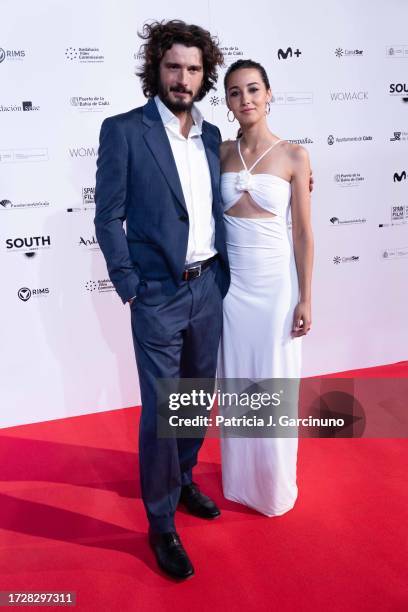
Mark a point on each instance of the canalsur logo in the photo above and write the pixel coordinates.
(350, 259)
(339, 52)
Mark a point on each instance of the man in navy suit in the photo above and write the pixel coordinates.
(158, 169)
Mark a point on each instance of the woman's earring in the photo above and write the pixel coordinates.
(233, 116)
(268, 108)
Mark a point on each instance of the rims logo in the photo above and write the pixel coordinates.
(24, 294)
(2, 55)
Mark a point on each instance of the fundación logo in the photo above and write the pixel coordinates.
(8, 205)
(11, 55)
(23, 107)
(288, 53)
(84, 55)
(398, 177)
(25, 293)
(340, 52)
(28, 244)
(335, 139)
(348, 96)
(351, 259)
(336, 222)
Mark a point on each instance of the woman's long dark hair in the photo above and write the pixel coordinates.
(160, 36)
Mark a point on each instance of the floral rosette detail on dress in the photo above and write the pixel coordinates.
(244, 181)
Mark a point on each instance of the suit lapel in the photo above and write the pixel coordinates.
(156, 139)
(211, 146)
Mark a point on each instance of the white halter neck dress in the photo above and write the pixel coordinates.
(256, 340)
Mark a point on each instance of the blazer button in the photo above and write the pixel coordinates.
(183, 218)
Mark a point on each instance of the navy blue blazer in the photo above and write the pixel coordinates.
(137, 182)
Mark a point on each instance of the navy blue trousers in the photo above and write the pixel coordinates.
(176, 339)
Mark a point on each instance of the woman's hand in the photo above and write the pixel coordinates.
(302, 319)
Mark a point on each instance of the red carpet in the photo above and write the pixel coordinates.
(71, 519)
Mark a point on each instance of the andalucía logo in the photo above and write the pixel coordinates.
(288, 53)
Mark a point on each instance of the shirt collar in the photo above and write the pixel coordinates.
(172, 122)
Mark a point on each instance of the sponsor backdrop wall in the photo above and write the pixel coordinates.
(338, 71)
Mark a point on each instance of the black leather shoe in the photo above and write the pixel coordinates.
(170, 554)
(197, 503)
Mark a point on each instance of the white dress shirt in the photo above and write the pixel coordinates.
(194, 173)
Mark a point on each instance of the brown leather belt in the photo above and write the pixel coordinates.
(196, 269)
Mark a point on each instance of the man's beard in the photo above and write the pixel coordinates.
(178, 105)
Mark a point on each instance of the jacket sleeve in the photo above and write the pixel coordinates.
(110, 200)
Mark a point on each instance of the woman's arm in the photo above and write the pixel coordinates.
(302, 238)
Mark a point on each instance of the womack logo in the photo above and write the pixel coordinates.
(83, 152)
(342, 96)
(288, 53)
(399, 177)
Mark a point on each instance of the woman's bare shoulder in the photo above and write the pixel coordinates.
(226, 148)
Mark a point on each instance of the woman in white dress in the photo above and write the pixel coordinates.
(264, 182)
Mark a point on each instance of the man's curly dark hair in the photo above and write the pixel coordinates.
(160, 36)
